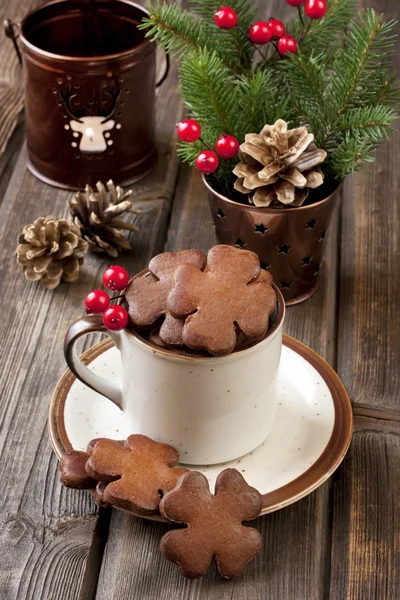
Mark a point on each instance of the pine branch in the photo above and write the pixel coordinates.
(371, 122)
(306, 83)
(231, 39)
(324, 32)
(349, 156)
(358, 67)
(207, 87)
(178, 32)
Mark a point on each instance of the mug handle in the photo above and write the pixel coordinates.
(166, 71)
(110, 389)
(9, 30)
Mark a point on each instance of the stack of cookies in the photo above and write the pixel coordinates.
(214, 304)
(142, 475)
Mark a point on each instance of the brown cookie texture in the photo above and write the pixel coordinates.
(147, 296)
(137, 473)
(265, 277)
(154, 338)
(171, 331)
(72, 471)
(214, 524)
(227, 293)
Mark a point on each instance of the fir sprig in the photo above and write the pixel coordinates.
(339, 84)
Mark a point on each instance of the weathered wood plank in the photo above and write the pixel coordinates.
(365, 531)
(369, 324)
(9, 159)
(50, 539)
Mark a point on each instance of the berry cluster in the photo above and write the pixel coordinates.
(226, 145)
(115, 316)
(273, 30)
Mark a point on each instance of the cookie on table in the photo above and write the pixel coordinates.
(137, 473)
(147, 296)
(230, 291)
(214, 524)
(72, 470)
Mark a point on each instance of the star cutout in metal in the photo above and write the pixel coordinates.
(284, 249)
(286, 285)
(322, 236)
(264, 265)
(307, 260)
(311, 224)
(260, 228)
(240, 243)
(221, 214)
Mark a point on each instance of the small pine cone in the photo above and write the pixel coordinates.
(98, 215)
(51, 250)
(279, 166)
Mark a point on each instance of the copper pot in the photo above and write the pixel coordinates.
(89, 82)
(289, 241)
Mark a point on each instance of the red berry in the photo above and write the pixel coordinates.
(225, 18)
(115, 278)
(315, 9)
(207, 161)
(188, 130)
(287, 43)
(295, 2)
(97, 302)
(227, 146)
(115, 317)
(277, 28)
(260, 33)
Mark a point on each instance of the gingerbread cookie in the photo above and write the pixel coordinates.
(147, 296)
(214, 524)
(265, 277)
(137, 474)
(72, 471)
(229, 292)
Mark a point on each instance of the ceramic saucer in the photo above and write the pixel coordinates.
(311, 435)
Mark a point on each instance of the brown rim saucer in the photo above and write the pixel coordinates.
(308, 481)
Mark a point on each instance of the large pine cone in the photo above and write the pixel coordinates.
(97, 214)
(279, 166)
(49, 250)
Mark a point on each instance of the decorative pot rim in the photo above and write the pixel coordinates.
(80, 59)
(266, 209)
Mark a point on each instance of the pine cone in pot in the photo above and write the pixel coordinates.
(51, 250)
(279, 166)
(98, 215)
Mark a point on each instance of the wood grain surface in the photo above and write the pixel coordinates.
(340, 543)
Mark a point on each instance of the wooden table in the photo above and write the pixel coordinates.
(340, 542)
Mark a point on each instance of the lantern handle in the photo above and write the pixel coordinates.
(9, 30)
(166, 71)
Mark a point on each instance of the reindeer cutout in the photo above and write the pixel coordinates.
(92, 127)
(92, 130)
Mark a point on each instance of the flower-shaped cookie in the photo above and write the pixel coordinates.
(137, 473)
(214, 524)
(72, 470)
(147, 297)
(228, 292)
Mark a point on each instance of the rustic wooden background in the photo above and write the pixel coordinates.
(342, 541)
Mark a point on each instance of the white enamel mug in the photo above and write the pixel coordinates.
(212, 409)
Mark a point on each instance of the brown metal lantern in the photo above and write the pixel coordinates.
(290, 242)
(89, 84)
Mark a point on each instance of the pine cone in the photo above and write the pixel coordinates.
(97, 214)
(49, 250)
(279, 166)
